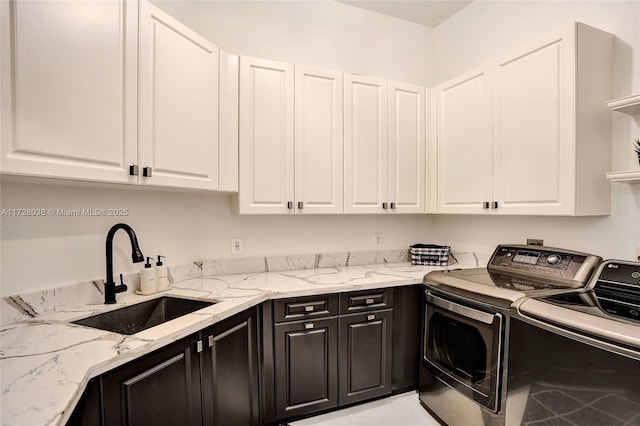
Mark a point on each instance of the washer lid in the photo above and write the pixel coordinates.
(483, 286)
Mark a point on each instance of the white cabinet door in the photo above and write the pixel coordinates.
(318, 141)
(406, 191)
(178, 103)
(266, 137)
(365, 142)
(552, 131)
(549, 145)
(69, 95)
(464, 145)
(534, 121)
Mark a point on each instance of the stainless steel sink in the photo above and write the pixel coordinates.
(134, 318)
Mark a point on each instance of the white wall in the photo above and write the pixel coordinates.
(41, 252)
(44, 252)
(325, 34)
(486, 29)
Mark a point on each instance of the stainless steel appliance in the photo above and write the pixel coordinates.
(466, 327)
(574, 358)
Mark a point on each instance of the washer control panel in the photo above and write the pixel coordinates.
(548, 262)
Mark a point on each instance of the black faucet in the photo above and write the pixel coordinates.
(110, 287)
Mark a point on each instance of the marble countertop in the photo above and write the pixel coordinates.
(46, 362)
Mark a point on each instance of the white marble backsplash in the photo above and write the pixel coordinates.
(30, 305)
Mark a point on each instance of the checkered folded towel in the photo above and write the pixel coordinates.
(429, 254)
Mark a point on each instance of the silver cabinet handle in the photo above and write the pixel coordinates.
(308, 325)
(300, 205)
(371, 317)
(134, 170)
(308, 308)
(290, 205)
(393, 206)
(494, 205)
(485, 205)
(147, 171)
(369, 301)
(198, 346)
(210, 341)
(384, 206)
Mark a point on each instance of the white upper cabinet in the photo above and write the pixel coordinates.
(463, 107)
(266, 137)
(112, 91)
(178, 103)
(406, 148)
(384, 146)
(290, 165)
(551, 131)
(365, 144)
(69, 94)
(318, 141)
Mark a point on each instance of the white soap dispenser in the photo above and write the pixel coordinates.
(148, 278)
(162, 275)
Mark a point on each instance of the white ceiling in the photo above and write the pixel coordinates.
(423, 12)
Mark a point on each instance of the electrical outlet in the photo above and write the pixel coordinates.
(236, 246)
(377, 239)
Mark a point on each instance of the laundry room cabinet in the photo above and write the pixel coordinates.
(290, 139)
(464, 139)
(209, 377)
(327, 351)
(178, 70)
(315, 141)
(114, 91)
(69, 89)
(384, 146)
(529, 133)
(305, 356)
(365, 355)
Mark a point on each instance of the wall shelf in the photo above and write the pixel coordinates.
(631, 176)
(627, 105)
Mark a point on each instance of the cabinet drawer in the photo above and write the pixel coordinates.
(364, 300)
(305, 307)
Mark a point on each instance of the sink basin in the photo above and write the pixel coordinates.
(134, 318)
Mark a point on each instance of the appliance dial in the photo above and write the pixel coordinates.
(553, 259)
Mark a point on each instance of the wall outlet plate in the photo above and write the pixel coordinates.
(377, 239)
(236, 246)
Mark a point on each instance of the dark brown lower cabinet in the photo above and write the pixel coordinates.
(365, 356)
(407, 325)
(230, 372)
(306, 366)
(88, 411)
(162, 388)
(207, 378)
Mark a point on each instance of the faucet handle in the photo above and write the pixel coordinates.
(122, 287)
